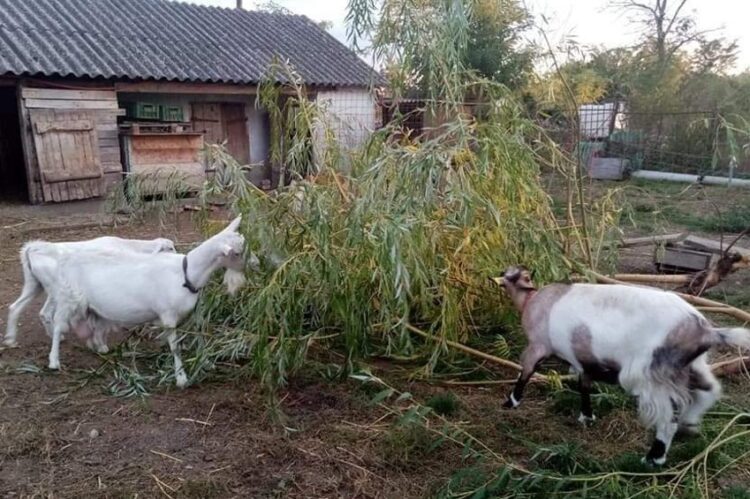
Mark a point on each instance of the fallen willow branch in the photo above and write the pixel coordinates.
(485, 382)
(478, 353)
(716, 310)
(655, 278)
(733, 366)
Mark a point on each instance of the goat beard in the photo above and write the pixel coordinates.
(233, 280)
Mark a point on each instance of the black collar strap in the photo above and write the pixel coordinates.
(187, 282)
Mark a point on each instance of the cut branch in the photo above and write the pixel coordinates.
(474, 352)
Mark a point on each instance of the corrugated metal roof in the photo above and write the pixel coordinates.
(164, 40)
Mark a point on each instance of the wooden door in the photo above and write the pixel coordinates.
(223, 122)
(206, 118)
(235, 128)
(67, 152)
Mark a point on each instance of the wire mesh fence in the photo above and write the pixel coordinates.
(693, 142)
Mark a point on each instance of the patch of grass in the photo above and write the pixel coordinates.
(736, 492)
(444, 404)
(604, 400)
(739, 298)
(566, 458)
(405, 446)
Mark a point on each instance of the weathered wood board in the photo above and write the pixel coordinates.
(165, 161)
(681, 259)
(70, 142)
(67, 153)
(712, 246)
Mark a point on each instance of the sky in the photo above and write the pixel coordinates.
(585, 20)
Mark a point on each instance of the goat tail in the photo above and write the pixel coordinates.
(28, 272)
(733, 336)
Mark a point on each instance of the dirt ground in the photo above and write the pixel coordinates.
(216, 439)
(211, 440)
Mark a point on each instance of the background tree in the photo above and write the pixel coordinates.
(495, 49)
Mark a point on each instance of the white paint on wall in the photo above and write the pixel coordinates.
(350, 114)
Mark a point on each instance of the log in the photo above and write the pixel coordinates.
(655, 278)
(473, 351)
(645, 241)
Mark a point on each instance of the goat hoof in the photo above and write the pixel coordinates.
(586, 420)
(181, 381)
(10, 343)
(55, 366)
(654, 462)
(102, 349)
(511, 403)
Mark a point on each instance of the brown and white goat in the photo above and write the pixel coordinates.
(651, 342)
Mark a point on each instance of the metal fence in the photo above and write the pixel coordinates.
(692, 142)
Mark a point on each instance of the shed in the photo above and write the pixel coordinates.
(93, 89)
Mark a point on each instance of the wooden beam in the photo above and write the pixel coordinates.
(185, 88)
(27, 146)
(54, 93)
(713, 246)
(645, 241)
(71, 104)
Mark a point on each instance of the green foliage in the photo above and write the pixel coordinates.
(494, 49)
(604, 400)
(736, 492)
(444, 404)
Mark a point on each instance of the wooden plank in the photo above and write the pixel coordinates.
(206, 118)
(63, 126)
(681, 258)
(109, 155)
(64, 94)
(67, 155)
(27, 145)
(645, 241)
(109, 142)
(186, 88)
(713, 246)
(235, 130)
(70, 104)
(112, 167)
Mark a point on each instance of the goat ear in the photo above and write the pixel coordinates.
(233, 225)
(226, 250)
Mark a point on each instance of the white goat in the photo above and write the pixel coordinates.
(37, 273)
(129, 289)
(649, 341)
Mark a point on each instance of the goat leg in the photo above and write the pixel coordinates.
(587, 413)
(179, 372)
(530, 359)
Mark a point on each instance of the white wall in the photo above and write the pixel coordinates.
(351, 114)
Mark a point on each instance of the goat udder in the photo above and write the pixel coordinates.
(83, 330)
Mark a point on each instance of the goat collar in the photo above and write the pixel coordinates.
(187, 282)
(526, 300)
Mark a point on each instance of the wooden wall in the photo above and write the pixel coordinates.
(70, 141)
(164, 159)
